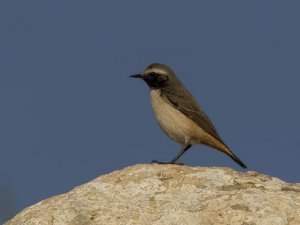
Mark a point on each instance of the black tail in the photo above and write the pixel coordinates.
(237, 160)
(233, 156)
(223, 148)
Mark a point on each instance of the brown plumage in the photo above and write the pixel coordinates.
(178, 113)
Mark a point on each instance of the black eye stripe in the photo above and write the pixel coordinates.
(156, 80)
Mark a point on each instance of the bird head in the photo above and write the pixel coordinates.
(156, 75)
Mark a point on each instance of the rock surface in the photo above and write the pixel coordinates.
(171, 194)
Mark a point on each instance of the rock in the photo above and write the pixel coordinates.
(171, 194)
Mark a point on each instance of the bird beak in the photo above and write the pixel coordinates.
(136, 76)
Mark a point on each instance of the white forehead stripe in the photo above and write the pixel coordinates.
(156, 70)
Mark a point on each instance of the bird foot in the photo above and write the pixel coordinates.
(174, 163)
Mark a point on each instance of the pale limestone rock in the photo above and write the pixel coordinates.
(170, 195)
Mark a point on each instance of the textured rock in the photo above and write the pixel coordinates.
(169, 195)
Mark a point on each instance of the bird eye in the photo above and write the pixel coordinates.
(152, 73)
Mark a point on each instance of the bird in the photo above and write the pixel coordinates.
(178, 113)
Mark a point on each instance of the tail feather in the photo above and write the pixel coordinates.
(221, 146)
(228, 152)
(237, 160)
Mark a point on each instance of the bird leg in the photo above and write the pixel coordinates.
(173, 161)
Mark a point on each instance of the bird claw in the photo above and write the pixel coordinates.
(174, 163)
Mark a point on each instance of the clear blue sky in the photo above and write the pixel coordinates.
(69, 112)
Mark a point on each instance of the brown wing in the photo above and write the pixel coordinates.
(184, 102)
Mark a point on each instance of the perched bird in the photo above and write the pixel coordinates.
(178, 113)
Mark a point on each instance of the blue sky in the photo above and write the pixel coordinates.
(69, 112)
